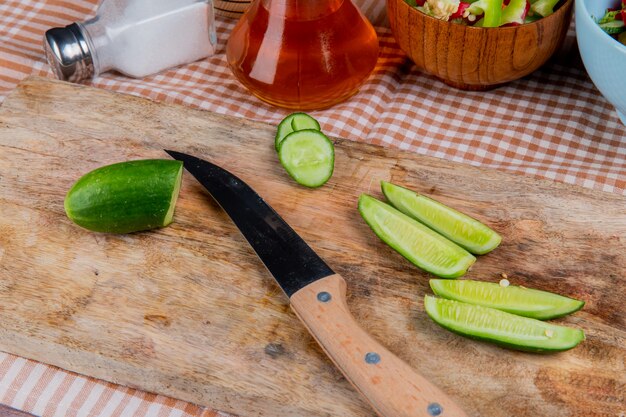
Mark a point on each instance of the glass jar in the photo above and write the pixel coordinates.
(302, 54)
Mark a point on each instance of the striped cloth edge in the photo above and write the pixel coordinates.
(49, 391)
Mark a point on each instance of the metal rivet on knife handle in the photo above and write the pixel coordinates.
(372, 358)
(434, 409)
(324, 297)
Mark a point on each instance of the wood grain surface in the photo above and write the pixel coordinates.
(472, 58)
(189, 311)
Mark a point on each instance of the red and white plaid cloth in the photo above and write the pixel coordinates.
(552, 124)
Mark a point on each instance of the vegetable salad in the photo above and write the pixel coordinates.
(614, 22)
(487, 13)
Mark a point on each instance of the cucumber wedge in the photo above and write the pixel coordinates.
(308, 156)
(505, 329)
(291, 123)
(126, 197)
(536, 304)
(456, 226)
(416, 242)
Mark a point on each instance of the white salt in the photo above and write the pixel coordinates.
(143, 37)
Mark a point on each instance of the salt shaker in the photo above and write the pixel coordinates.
(134, 37)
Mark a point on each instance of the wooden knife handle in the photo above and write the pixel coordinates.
(391, 386)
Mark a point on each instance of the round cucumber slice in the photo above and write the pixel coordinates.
(291, 123)
(416, 242)
(301, 121)
(456, 226)
(126, 197)
(308, 156)
(541, 305)
(505, 329)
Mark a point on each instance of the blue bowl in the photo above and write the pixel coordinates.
(603, 56)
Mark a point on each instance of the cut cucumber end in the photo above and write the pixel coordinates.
(308, 156)
(169, 216)
(499, 327)
(460, 228)
(67, 205)
(417, 243)
(537, 304)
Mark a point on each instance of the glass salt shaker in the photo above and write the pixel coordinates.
(134, 37)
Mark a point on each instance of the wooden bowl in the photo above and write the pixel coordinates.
(473, 58)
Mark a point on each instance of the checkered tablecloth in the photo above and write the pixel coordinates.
(552, 124)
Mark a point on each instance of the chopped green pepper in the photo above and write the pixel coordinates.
(492, 10)
(544, 7)
(515, 12)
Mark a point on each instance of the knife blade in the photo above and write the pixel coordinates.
(289, 259)
(318, 297)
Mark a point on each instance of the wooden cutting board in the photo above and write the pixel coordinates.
(190, 312)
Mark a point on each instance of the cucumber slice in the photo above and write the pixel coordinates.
(126, 197)
(525, 302)
(301, 121)
(505, 329)
(308, 156)
(291, 123)
(456, 226)
(613, 27)
(416, 242)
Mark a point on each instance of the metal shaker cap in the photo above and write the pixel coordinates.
(68, 53)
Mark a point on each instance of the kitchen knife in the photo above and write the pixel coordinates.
(318, 297)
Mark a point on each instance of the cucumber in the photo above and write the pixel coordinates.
(456, 226)
(613, 27)
(499, 327)
(126, 197)
(420, 245)
(308, 156)
(291, 123)
(301, 121)
(541, 305)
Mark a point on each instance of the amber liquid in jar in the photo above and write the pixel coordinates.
(302, 54)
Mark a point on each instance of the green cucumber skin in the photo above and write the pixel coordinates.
(560, 314)
(502, 343)
(125, 197)
(386, 188)
(401, 252)
(283, 126)
(538, 315)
